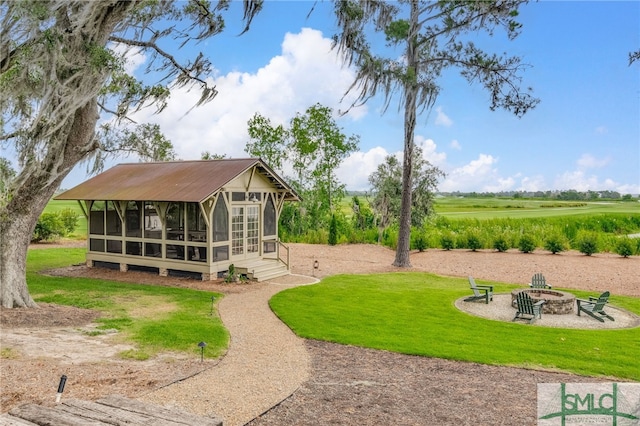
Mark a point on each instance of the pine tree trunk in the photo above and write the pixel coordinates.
(404, 233)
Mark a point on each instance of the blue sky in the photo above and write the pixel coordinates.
(584, 134)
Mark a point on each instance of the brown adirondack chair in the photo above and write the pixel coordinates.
(480, 292)
(595, 307)
(526, 309)
(538, 281)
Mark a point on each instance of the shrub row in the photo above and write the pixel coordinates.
(588, 234)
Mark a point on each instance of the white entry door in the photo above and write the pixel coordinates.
(245, 231)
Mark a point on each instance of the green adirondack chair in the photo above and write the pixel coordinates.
(480, 292)
(526, 309)
(538, 281)
(595, 307)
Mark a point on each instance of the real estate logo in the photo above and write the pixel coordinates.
(615, 404)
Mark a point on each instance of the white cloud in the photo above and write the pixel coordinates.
(478, 175)
(355, 170)
(534, 183)
(601, 130)
(588, 161)
(442, 119)
(306, 72)
(455, 145)
(429, 151)
(580, 181)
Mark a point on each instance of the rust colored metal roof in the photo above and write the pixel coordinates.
(190, 181)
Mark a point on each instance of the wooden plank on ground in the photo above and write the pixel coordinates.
(46, 416)
(108, 415)
(178, 417)
(8, 420)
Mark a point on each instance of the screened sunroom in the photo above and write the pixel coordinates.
(188, 216)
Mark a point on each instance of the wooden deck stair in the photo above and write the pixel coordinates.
(262, 269)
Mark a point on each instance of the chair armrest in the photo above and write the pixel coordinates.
(484, 287)
(540, 302)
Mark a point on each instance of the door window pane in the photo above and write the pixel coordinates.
(237, 231)
(253, 230)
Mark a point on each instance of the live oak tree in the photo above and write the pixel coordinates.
(432, 36)
(66, 97)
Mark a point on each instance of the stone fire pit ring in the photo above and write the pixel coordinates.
(556, 302)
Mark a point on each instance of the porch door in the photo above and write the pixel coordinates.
(245, 231)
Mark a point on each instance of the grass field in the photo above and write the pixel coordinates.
(489, 208)
(414, 313)
(154, 318)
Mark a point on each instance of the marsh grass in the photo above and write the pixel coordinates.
(414, 313)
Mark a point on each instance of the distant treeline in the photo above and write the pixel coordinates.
(568, 195)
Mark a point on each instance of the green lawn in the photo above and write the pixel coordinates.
(154, 318)
(414, 313)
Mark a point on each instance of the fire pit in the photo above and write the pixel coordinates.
(556, 302)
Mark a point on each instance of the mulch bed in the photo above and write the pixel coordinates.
(359, 386)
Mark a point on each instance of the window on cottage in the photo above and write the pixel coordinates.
(134, 248)
(220, 253)
(152, 250)
(238, 196)
(175, 222)
(96, 245)
(152, 224)
(96, 218)
(269, 217)
(114, 246)
(133, 219)
(114, 224)
(196, 225)
(220, 221)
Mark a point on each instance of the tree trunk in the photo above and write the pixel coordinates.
(18, 219)
(68, 143)
(404, 233)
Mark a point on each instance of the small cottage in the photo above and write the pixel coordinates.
(187, 216)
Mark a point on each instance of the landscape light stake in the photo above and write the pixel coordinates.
(316, 265)
(213, 299)
(201, 345)
(63, 380)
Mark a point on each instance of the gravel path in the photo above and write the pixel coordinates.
(265, 362)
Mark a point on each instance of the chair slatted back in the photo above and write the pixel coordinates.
(525, 303)
(602, 300)
(538, 281)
